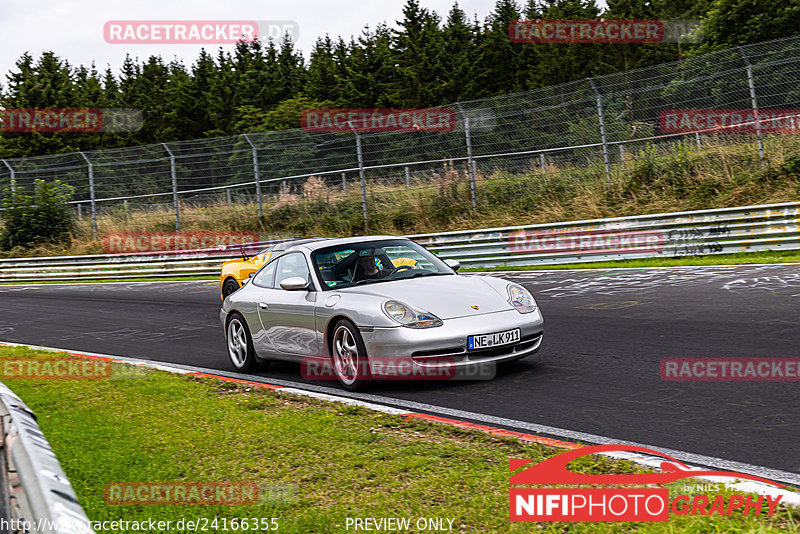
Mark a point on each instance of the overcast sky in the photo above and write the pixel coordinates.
(73, 29)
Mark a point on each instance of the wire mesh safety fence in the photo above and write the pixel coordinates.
(504, 150)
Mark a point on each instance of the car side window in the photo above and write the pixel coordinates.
(292, 265)
(265, 276)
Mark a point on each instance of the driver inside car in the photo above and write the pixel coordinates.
(370, 268)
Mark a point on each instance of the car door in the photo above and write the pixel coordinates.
(287, 317)
(263, 286)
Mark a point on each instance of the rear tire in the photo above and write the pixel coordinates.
(349, 356)
(240, 344)
(230, 286)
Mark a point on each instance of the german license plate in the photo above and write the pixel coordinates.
(486, 341)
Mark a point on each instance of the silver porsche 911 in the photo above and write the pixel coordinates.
(361, 305)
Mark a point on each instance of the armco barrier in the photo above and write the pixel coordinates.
(137, 265)
(665, 235)
(35, 488)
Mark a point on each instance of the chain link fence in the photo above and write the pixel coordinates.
(510, 150)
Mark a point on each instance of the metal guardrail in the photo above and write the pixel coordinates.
(152, 265)
(665, 235)
(36, 491)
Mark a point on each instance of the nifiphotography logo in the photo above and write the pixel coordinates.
(646, 502)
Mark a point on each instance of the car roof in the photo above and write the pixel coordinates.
(317, 244)
(286, 245)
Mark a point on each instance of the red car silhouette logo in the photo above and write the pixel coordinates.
(554, 470)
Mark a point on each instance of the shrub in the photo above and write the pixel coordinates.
(43, 217)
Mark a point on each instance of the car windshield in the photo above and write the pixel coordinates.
(375, 261)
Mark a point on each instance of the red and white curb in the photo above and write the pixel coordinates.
(651, 462)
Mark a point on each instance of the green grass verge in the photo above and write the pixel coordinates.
(338, 461)
(737, 258)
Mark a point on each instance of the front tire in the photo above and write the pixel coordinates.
(349, 356)
(230, 286)
(240, 344)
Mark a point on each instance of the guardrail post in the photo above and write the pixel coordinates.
(601, 117)
(13, 174)
(257, 178)
(754, 103)
(174, 187)
(470, 166)
(91, 194)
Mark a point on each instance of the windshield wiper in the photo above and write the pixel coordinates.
(369, 281)
(424, 273)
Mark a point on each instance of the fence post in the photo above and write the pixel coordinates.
(344, 183)
(257, 177)
(541, 160)
(471, 167)
(602, 129)
(697, 139)
(91, 194)
(754, 103)
(363, 179)
(80, 211)
(174, 187)
(228, 197)
(408, 178)
(13, 179)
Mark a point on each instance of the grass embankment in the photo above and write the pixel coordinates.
(326, 461)
(675, 177)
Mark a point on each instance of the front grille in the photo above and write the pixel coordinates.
(450, 355)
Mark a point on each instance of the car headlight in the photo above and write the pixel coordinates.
(408, 316)
(520, 298)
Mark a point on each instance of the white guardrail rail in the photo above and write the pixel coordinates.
(35, 495)
(665, 235)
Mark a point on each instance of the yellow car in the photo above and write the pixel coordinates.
(235, 272)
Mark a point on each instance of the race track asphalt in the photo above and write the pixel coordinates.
(598, 371)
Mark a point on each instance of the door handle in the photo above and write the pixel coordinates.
(263, 305)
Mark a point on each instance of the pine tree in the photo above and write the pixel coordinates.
(458, 57)
(499, 57)
(418, 50)
(321, 83)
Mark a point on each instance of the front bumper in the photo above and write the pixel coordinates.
(446, 345)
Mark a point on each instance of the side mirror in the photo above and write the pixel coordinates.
(294, 283)
(453, 264)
